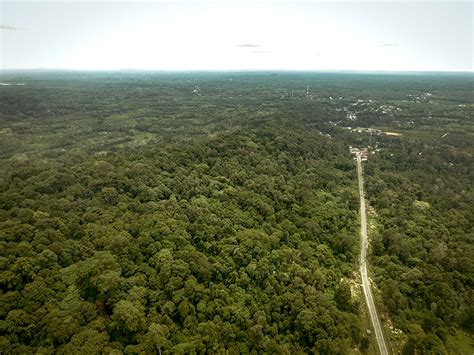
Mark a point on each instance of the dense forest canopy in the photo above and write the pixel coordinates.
(208, 212)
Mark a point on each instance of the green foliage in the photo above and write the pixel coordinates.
(137, 216)
(423, 250)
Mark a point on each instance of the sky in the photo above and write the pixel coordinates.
(237, 35)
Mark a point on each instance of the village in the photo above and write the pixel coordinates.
(364, 152)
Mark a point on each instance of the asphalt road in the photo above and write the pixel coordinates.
(363, 264)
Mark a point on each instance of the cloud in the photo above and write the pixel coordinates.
(248, 45)
(389, 45)
(2, 27)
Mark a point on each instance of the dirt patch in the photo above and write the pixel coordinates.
(394, 134)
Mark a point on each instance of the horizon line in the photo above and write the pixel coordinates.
(236, 70)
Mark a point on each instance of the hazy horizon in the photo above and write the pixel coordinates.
(237, 71)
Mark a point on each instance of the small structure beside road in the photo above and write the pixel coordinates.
(364, 152)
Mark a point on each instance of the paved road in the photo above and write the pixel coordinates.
(363, 265)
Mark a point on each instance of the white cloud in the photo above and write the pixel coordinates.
(247, 45)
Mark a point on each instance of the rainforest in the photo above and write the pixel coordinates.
(218, 212)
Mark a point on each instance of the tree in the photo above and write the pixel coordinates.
(128, 317)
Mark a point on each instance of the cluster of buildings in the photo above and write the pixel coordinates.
(377, 132)
(363, 152)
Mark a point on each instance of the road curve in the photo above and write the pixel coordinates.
(363, 265)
